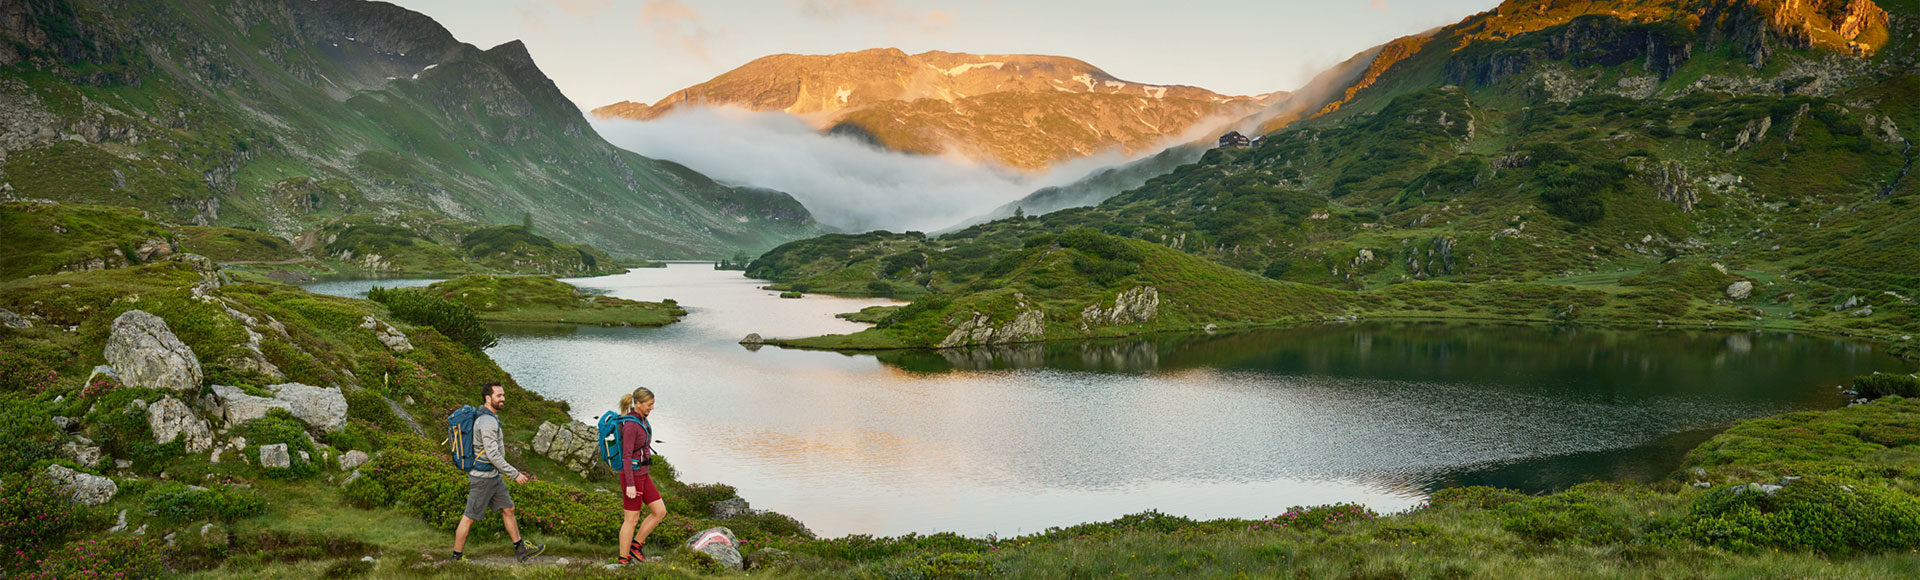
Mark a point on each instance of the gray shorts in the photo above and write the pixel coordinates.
(486, 493)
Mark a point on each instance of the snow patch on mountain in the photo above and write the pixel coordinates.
(958, 70)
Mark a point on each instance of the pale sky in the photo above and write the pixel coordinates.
(605, 51)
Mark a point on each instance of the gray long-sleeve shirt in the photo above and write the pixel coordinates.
(490, 446)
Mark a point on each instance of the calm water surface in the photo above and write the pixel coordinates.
(1014, 440)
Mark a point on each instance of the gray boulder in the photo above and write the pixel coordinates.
(1740, 290)
(14, 321)
(352, 459)
(753, 338)
(81, 453)
(235, 406)
(719, 543)
(86, 489)
(730, 508)
(574, 445)
(322, 408)
(171, 419)
(275, 455)
(147, 354)
(387, 334)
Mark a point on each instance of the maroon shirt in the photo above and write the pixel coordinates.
(636, 443)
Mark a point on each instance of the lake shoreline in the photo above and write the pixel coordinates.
(1911, 352)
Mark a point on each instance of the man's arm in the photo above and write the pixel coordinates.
(492, 447)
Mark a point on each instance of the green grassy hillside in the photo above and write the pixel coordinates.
(1551, 149)
(543, 299)
(282, 117)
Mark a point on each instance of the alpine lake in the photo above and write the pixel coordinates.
(1017, 439)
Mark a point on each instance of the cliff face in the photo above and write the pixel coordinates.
(210, 111)
(1027, 111)
(1661, 35)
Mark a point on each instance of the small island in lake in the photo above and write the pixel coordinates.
(543, 299)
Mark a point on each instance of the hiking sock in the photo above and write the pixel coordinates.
(520, 544)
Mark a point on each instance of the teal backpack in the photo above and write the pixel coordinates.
(460, 438)
(611, 445)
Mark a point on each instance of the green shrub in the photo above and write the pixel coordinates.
(1039, 240)
(26, 434)
(454, 320)
(373, 239)
(944, 565)
(348, 569)
(1101, 245)
(926, 304)
(35, 516)
(25, 366)
(1570, 515)
(120, 427)
(111, 556)
(367, 493)
(1478, 497)
(791, 295)
(503, 239)
(368, 406)
(178, 503)
(1879, 385)
(697, 497)
(348, 439)
(1830, 516)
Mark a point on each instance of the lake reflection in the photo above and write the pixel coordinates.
(1017, 439)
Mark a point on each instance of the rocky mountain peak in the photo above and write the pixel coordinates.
(1023, 110)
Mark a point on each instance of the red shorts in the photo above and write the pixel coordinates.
(648, 494)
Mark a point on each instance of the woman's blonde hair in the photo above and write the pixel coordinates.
(639, 395)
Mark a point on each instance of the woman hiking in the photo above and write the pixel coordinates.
(636, 438)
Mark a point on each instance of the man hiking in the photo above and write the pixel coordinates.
(485, 488)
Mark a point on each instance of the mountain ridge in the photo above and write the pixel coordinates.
(1026, 111)
(219, 113)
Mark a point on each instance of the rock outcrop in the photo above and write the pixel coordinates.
(730, 508)
(574, 445)
(1671, 182)
(320, 408)
(979, 329)
(387, 334)
(323, 408)
(146, 353)
(171, 419)
(1140, 304)
(86, 489)
(719, 543)
(83, 452)
(14, 321)
(234, 406)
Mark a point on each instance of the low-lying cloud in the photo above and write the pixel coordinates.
(847, 184)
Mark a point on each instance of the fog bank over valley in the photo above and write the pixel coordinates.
(847, 183)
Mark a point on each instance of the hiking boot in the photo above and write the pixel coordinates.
(457, 558)
(528, 550)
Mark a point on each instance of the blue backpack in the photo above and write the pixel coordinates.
(460, 438)
(611, 446)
